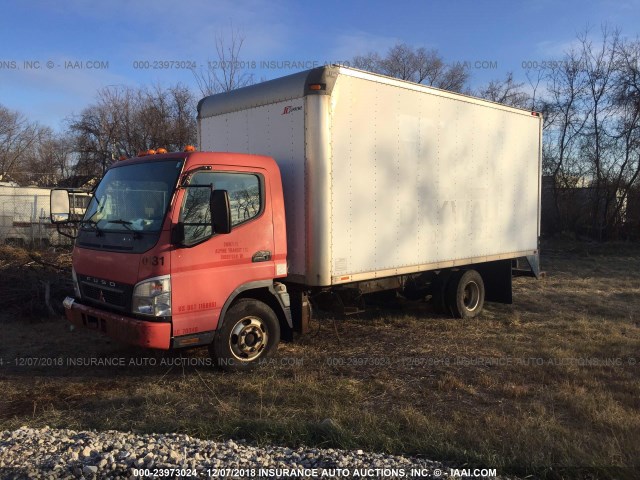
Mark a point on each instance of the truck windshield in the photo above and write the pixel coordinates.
(133, 197)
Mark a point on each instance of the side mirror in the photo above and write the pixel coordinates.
(59, 208)
(220, 211)
(177, 234)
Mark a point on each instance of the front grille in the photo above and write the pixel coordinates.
(106, 293)
(115, 298)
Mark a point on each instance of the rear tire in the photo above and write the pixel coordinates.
(250, 333)
(465, 294)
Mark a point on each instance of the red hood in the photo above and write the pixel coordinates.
(127, 268)
(118, 267)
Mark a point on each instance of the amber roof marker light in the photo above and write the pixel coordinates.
(189, 148)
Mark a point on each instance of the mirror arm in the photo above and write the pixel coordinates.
(72, 237)
(177, 234)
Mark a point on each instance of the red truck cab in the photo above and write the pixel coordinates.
(184, 249)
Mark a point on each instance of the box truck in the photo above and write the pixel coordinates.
(330, 183)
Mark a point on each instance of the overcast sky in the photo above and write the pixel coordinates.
(60, 38)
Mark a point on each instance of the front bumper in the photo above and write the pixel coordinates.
(124, 329)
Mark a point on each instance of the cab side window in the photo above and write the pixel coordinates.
(245, 198)
(244, 195)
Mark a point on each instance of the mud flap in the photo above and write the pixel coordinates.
(300, 311)
(497, 280)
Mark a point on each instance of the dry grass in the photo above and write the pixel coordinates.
(33, 283)
(509, 391)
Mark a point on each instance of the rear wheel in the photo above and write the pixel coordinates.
(250, 333)
(465, 294)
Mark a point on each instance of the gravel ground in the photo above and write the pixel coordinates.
(53, 454)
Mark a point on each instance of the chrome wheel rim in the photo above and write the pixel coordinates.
(471, 296)
(248, 339)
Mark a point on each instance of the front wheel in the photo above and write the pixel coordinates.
(250, 333)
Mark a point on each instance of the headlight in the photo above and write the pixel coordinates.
(153, 297)
(76, 286)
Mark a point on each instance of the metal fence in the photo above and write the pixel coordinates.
(24, 220)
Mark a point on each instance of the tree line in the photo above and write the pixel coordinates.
(120, 123)
(589, 99)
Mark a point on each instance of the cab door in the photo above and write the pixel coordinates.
(210, 266)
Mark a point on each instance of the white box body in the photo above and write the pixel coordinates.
(383, 177)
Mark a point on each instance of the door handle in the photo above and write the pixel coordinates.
(261, 256)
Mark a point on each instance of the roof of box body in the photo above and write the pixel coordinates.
(297, 85)
(272, 91)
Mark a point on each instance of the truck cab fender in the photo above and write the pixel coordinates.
(274, 294)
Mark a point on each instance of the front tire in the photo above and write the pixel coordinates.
(250, 333)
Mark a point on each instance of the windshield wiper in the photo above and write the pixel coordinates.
(90, 221)
(126, 224)
(93, 224)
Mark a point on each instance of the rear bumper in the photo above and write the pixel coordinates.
(124, 329)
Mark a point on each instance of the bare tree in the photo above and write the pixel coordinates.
(227, 72)
(47, 161)
(370, 62)
(417, 65)
(600, 73)
(124, 121)
(56, 153)
(565, 115)
(592, 132)
(31, 154)
(627, 99)
(95, 132)
(507, 91)
(17, 136)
